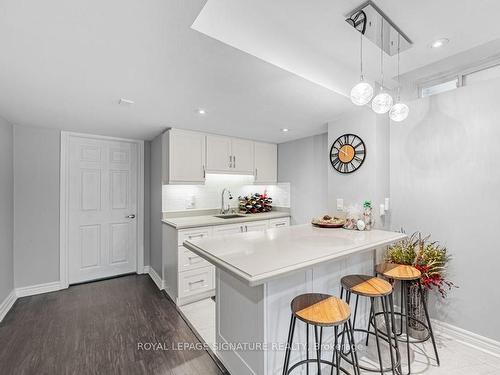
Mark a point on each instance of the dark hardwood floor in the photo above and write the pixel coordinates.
(97, 328)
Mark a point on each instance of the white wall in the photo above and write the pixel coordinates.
(36, 205)
(371, 181)
(304, 164)
(6, 210)
(445, 180)
(156, 206)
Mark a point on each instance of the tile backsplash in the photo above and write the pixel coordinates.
(208, 196)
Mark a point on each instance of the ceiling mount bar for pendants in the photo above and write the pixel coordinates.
(370, 16)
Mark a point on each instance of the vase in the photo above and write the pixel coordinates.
(368, 218)
(416, 311)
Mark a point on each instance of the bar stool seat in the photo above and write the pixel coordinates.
(375, 289)
(408, 275)
(320, 309)
(398, 271)
(368, 286)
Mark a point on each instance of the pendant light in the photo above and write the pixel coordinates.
(382, 103)
(362, 93)
(399, 111)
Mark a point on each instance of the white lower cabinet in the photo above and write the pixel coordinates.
(187, 276)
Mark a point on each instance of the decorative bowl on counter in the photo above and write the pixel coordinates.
(328, 222)
(255, 203)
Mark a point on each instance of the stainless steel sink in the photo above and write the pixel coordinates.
(229, 216)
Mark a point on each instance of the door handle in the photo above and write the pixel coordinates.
(130, 216)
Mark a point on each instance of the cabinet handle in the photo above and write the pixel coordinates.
(256, 173)
(204, 172)
(196, 282)
(234, 161)
(280, 224)
(246, 228)
(195, 236)
(230, 161)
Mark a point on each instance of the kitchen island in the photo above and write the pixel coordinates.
(258, 275)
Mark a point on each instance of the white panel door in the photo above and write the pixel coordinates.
(243, 156)
(219, 153)
(102, 208)
(266, 163)
(186, 157)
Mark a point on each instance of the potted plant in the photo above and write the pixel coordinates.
(431, 259)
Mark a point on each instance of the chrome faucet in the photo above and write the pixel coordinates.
(224, 209)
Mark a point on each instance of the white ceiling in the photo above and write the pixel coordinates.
(66, 64)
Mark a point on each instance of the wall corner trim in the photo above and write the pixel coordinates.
(32, 290)
(7, 304)
(478, 342)
(154, 276)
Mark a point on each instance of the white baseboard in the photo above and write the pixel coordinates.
(468, 338)
(154, 276)
(38, 289)
(7, 304)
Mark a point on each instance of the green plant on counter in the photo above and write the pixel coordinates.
(430, 258)
(367, 204)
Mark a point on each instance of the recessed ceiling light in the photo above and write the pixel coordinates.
(440, 42)
(201, 111)
(284, 130)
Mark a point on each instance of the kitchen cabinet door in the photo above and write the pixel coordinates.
(219, 157)
(266, 163)
(243, 156)
(185, 151)
(220, 230)
(255, 226)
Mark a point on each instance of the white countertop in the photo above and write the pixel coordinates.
(257, 257)
(209, 220)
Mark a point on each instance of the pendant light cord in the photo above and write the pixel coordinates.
(361, 54)
(399, 79)
(382, 55)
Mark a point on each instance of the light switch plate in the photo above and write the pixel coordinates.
(340, 204)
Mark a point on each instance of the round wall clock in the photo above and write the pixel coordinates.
(348, 153)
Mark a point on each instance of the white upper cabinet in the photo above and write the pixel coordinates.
(219, 156)
(243, 156)
(266, 163)
(188, 155)
(183, 157)
(229, 155)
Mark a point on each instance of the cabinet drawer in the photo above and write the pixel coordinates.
(278, 223)
(193, 234)
(196, 281)
(189, 260)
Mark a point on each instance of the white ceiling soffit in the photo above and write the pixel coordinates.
(66, 64)
(312, 39)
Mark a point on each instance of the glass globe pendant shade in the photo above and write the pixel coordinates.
(362, 93)
(399, 112)
(382, 103)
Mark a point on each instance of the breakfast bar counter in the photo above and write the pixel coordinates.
(259, 273)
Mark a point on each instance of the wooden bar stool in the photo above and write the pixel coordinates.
(320, 310)
(374, 288)
(408, 275)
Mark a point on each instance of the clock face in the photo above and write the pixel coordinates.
(348, 153)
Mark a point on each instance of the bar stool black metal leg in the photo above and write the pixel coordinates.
(307, 349)
(352, 346)
(388, 328)
(428, 321)
(407, 319)
(375, 328)
(401, 309)
(289, 344)
(394, 330)
(318, 349)
(369, 323)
